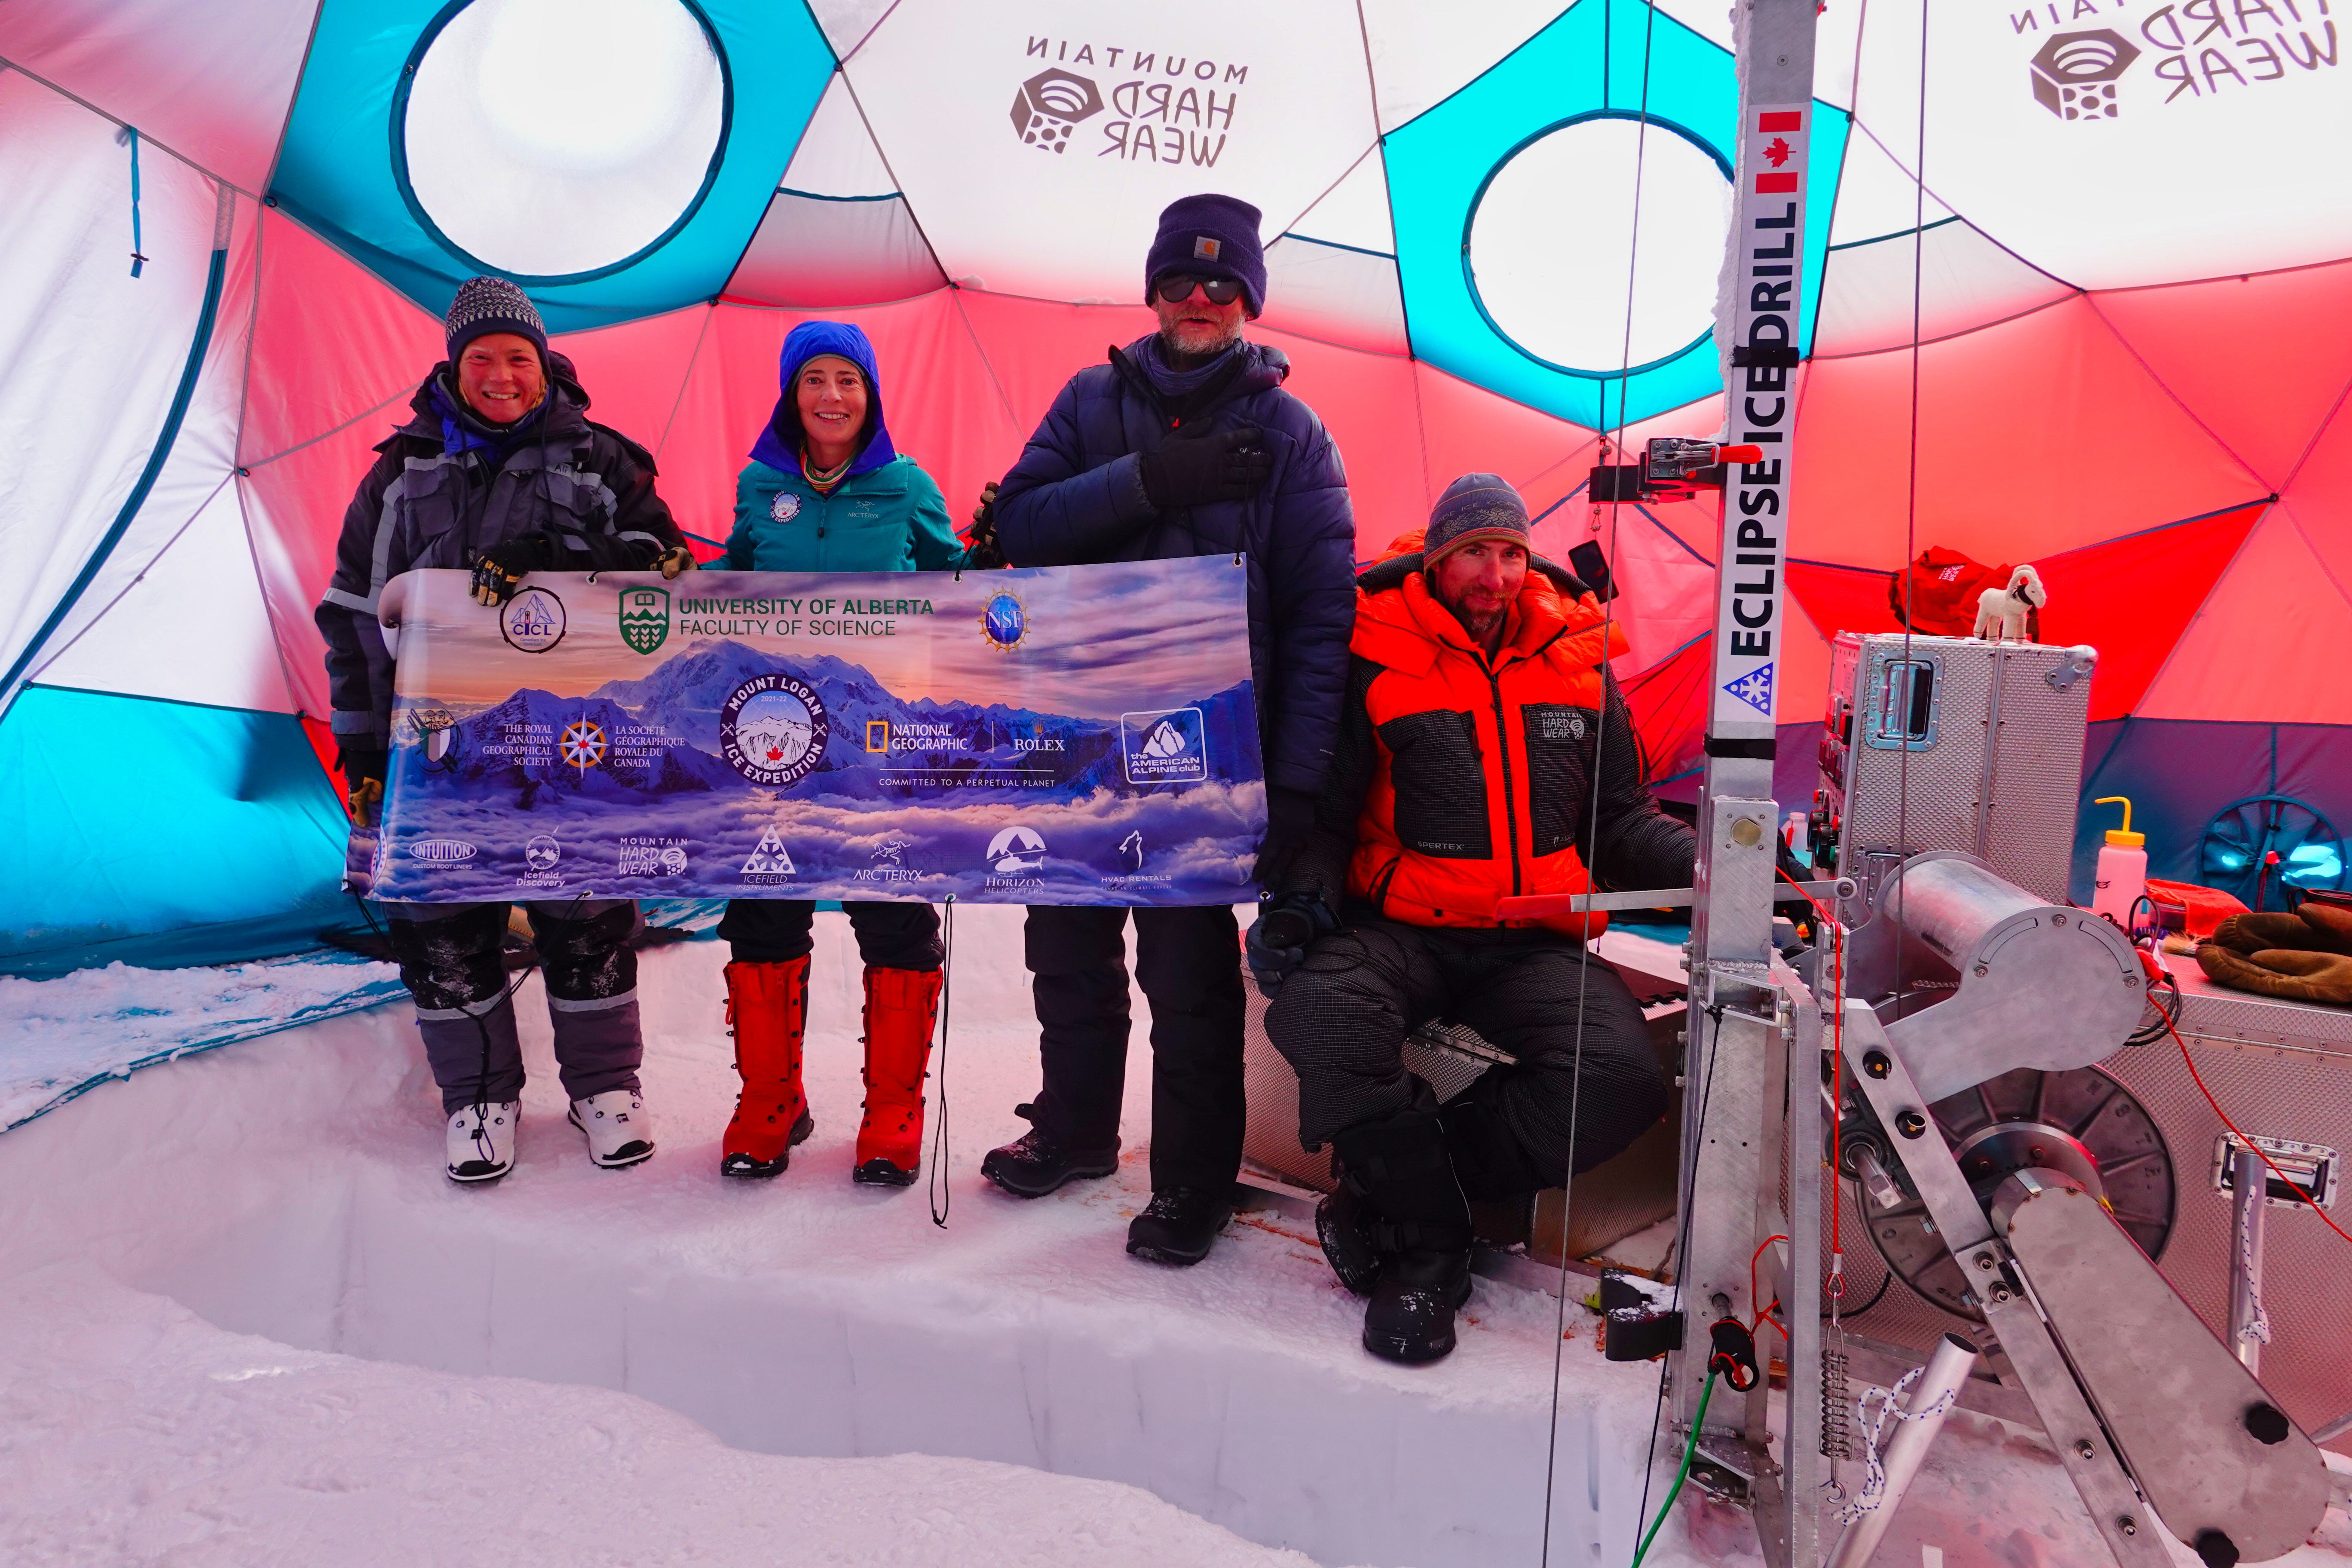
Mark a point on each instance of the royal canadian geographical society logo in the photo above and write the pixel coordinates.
(2075, 75)
(1003, 621)
(645, 618)
(533, 621)
(1167, 747)
(773, 729)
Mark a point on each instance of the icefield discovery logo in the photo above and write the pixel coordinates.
(773, 729)
(541, 853)
(1016, 850)
(1168, 747)
(645, 618)
(1050, 105)
(533, 621)
(2074, 74)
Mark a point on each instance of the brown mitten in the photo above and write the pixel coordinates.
(2325, 977)
(2298, 934)
(2330, 923)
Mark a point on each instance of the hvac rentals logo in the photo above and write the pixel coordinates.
(1158, 107)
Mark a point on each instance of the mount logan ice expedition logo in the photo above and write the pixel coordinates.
(773, 729)
(1162, 107)
(645, 618)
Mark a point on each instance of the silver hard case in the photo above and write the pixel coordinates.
(1952, 743)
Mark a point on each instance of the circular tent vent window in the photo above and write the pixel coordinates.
(550, 138)
(1550, 244)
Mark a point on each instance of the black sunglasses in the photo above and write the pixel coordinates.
(1177, 287)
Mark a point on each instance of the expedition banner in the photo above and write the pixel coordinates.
(1061, 735)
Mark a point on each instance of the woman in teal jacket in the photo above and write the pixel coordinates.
(825, 491)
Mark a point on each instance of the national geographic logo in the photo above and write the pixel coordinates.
(1162, 108)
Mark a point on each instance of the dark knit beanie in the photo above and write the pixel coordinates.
(1210, 236)
(487, 305)
(1476, 506)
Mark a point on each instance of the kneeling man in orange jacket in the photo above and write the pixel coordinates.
(1485, 753)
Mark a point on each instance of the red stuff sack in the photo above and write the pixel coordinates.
(1942, 587)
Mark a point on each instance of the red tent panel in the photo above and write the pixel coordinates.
(2269, 644)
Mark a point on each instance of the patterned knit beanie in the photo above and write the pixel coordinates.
(487, 305)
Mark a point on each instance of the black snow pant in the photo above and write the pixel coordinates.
(1341, 1018)
(890, 935)
(450, 957)
(1188, 960)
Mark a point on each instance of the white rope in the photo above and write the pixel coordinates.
(1874, 1486)
(2256, 1329)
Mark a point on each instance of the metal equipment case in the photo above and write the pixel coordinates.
(1951, 744)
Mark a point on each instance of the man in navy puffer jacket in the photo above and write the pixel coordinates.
(1184, 443)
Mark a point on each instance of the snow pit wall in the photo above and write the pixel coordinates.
(289, 1187)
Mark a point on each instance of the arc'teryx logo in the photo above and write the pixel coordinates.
(1049, 104)
(645, 618)
(2074, 74)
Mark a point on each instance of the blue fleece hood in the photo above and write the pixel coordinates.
(779, 444)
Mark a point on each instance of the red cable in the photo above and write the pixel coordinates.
(2199, 1079)
(1763, 1315)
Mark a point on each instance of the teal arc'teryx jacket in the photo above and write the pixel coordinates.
(890, 519)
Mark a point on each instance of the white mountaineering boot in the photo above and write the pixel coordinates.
(619, 1132)
(482, 1140)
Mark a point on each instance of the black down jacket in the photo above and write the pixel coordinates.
(587, 485)
(1077, 497)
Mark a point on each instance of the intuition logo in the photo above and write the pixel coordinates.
(2075, 75)
(1049, 104)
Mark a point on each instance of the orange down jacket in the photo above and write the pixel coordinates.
(1465, 780)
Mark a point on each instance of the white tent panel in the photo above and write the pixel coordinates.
(820, 253)
(1335, 293)
(1963, 279)
(836, 156)
(1876, 196)
(1037, 151)
(1423, 54)
(90, 357)
(1355, 212)
(1837, 34)
(848, 22)
(2114, 145)
(214, 81)
(190, 628)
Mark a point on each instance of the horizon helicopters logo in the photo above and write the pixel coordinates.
(1016, 850)
(2074, 74)
(645, 618)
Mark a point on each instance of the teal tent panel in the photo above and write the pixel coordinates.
(1588, 62)
(160, 833)
(338, 172)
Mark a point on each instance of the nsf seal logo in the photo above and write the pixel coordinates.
(1003, 621)
(773, 729)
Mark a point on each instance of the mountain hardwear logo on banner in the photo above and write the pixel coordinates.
(645, 618)
(1163, 108)
(2075, 75)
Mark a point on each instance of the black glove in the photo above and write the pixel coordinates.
(1279, 938)
(498, 569)
(983, 550)
(1289, 821)
(1194, 471)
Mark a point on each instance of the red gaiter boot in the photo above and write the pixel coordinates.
(901, 1005)
(767, 1003)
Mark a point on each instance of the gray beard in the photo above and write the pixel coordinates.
(1192, 359)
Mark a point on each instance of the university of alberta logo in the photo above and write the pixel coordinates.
(645, 618)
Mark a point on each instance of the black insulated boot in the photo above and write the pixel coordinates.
(1343, 1223)
(1179, 1225)
(1034, 1165)
(1422, 1233)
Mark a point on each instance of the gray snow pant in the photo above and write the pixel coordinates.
(449, 960)
(1340, 1020)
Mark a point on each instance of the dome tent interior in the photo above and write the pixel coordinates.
(2114, 342)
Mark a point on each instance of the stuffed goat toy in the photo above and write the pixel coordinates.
(2002, 612)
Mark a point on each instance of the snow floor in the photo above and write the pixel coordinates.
(244, 1319)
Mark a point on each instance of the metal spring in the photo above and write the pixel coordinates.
(1837, 1408)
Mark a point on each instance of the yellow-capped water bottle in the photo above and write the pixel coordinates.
(2122, 867)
